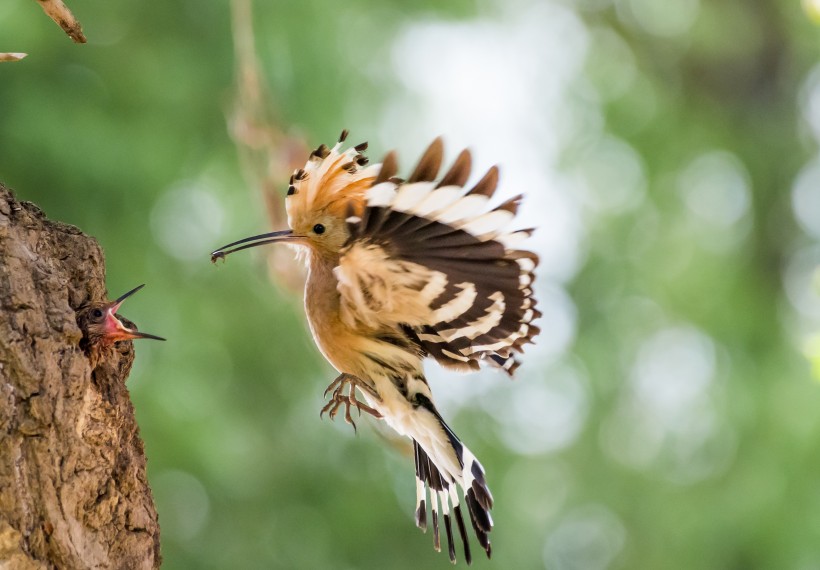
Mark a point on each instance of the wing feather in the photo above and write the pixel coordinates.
(430, 162)
(459, 172)
(433, 262)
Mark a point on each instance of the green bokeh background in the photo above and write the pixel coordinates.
(670, 417)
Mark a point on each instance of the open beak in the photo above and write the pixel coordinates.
(115, 330)
(284, 236)
(116, 306)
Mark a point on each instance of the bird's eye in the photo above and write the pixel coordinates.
(291, 190)
(97, 313)
(318, 229)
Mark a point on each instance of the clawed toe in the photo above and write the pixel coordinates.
(349, 400)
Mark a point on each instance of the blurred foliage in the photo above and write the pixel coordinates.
(670, 417)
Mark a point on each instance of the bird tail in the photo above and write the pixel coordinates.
(443, 465)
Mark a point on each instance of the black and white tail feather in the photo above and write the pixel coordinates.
(431, 258)
(444, 493)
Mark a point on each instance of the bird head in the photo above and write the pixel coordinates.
(101, 324)
(321, 196)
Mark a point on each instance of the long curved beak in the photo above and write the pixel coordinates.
(114, 327)
(253, 241)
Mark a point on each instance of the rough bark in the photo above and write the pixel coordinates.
(73, 488)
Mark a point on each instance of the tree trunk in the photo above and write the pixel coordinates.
(73, 489)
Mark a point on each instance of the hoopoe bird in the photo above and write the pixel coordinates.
(102, 327)
(400, 270)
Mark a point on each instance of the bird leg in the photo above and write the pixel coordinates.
(339, 398)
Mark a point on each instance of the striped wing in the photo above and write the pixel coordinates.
(431, 259)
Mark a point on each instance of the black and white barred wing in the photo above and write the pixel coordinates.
(432, 258)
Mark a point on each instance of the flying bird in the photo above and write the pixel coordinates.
(400, 270)
(102, 327)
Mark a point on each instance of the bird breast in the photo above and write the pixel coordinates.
(363, 353)
(335, 340)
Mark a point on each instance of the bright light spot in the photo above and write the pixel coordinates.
(673, 369)
(806, 198)
(715, 187)
(811, 348)
(558, 324)
(588, 538)
(613, 175)
(667, 419)
(665, 19)
(556, 217)
(812, 9)
(182, 502)
(494, 80)
(548, 415)
(502, 87)
(801, 282)
(186, 219)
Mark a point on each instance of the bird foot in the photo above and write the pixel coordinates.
(339, 398)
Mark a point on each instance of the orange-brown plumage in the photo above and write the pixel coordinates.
(402, 270)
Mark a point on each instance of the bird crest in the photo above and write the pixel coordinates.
(332, 182)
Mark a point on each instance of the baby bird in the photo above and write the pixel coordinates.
(400, 270)
(102, 327)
